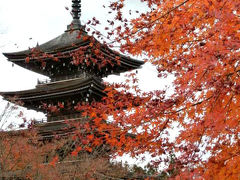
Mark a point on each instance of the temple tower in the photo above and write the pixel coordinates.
(75, 64)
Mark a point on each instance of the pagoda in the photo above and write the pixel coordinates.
(75, 63)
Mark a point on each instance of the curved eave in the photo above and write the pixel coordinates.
(127, 62)
(123, 58)
(51, 91)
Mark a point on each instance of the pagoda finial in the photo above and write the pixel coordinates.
(76, 9)
(76, 13)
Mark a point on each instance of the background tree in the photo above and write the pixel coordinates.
(198, 42)
(26, 154)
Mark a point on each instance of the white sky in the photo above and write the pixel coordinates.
(43, 20)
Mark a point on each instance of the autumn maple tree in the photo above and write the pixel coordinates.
(199, 43)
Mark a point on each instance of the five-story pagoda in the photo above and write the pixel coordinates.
(75, 64)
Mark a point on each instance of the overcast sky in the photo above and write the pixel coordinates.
(24, 23)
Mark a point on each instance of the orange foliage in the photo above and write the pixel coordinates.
(198, 42)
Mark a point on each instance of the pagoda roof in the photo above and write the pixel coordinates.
(50, 91)
(65, 44)
(66, 41)
(73, 53)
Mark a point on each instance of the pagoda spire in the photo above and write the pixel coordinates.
(76, 14)
(76, 9)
